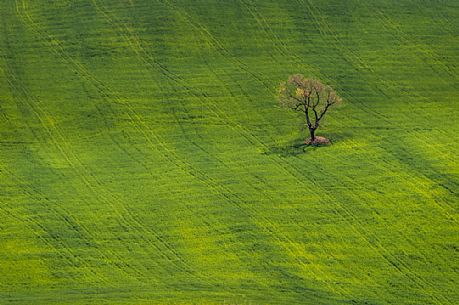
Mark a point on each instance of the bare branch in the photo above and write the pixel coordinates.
(307, 95)
(318, 99)
(316, 122)
(325, 110)
(308, 121)
(297, 107)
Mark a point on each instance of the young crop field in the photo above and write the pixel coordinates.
(144, 158)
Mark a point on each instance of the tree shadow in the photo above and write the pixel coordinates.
(297, 146)
(289, 149)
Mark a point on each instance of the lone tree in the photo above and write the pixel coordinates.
(312, 98)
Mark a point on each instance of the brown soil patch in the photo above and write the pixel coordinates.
(318, 141)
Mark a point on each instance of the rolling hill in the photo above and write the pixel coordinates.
(144, 158)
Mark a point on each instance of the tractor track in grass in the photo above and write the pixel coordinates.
(365, 68)
(41, 116)
(351, 58)
(108, 97)
(277, 42)
(223, 191)
(421, 51)
(187, 168)
(399, 264)
(405, 269)
(70, 255)
(264, 25)
(355, 60)
(107, 93)
(391, 27)
(86, 176)
(33, 192)
(212, 40)
(135, 44)
(227, 119)
(379, 248)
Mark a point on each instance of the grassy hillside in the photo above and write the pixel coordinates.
(144, 160)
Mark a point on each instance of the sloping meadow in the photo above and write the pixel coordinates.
(144, 158)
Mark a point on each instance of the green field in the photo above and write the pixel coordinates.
(144, 158)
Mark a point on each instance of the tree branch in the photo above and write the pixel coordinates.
(325, 109)
(316, 124)
(310, 96)
(306, 111)
(318, 100)
(298, 106)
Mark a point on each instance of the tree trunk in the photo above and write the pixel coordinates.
(312, 133)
